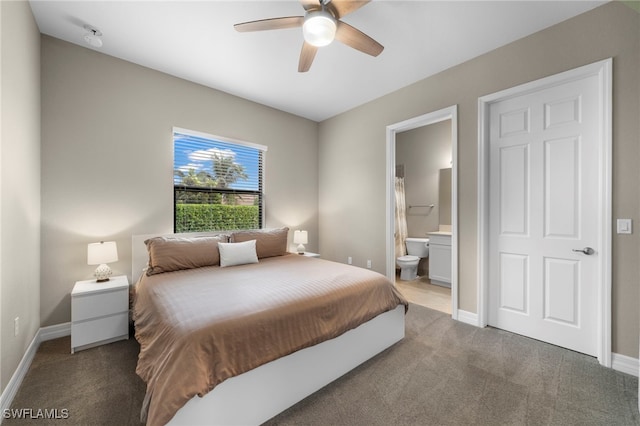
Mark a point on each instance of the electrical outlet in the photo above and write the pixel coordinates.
(350, 260)
(369, 264)
(16, 326)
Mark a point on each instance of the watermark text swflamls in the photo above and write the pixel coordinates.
(36, 413)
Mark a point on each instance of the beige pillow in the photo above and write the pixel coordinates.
(168, 254)
(269, 242)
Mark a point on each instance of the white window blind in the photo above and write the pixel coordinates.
(217, 183)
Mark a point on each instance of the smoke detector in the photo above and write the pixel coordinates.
(92, 37)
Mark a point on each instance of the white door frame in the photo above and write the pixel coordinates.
(603, 70)
(449, 113)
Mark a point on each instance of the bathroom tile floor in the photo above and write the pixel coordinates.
(421, 292)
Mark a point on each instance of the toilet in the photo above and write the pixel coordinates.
(417, 248)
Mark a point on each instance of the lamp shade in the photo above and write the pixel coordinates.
(102, 252)
(300, 237)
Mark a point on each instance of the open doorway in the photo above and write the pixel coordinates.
(421, 158)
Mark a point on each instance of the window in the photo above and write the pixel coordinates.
(217, 183)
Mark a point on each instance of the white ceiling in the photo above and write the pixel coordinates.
(195, 40)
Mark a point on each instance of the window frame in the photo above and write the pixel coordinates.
(261, 181)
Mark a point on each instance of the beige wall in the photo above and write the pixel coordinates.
(19, 183)
(423, 152)
(107, 169)
(352, 149)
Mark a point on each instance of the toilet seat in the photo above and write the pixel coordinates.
(408, 258)
(408, 267)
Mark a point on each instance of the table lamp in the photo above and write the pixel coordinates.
(300, 238)
(100, 254)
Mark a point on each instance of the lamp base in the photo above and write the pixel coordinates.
(102, 273)
(300, 248)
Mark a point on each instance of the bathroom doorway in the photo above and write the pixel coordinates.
(421, 152)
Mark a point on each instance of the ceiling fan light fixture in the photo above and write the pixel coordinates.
(319, 28)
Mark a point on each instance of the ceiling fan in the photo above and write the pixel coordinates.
(320, 24)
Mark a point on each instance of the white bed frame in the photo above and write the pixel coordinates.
(258, 395)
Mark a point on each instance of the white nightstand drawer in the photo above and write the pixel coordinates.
(92, 305)
(99, 312)
(97, 330)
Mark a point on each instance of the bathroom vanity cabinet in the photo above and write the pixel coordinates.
(440, 258)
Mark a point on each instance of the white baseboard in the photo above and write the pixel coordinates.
(43, 334)
(16, 380)
(55, 331)
(625, 364)
(468, 317)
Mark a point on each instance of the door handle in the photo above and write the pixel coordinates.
(587, 250)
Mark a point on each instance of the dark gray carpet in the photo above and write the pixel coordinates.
(97, 386)
(443, 373)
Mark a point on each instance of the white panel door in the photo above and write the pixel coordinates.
(544, 174)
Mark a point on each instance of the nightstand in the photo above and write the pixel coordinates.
(99, 312)
(310, 254)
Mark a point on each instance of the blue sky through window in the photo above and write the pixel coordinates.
(195, 152)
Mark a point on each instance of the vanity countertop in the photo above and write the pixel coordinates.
(444, 233)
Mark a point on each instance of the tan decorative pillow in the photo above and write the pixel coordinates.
(168, 254)
(269, 242)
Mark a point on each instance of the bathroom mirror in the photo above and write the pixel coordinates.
(444, 197)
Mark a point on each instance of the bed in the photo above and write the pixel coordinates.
(247, 330)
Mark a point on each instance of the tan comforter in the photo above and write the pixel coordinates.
(198, 327)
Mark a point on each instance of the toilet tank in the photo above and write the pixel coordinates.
(417, 246)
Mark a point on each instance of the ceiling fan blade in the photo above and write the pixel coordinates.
(270, 24)
(342, 8)
(355, 38)
(306, 57)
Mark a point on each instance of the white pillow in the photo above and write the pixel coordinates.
(232, 254)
